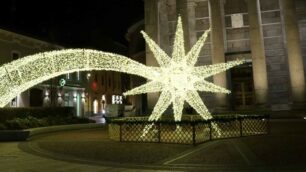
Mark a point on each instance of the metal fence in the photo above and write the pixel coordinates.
(188, 131)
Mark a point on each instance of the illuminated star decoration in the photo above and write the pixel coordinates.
(178, 79)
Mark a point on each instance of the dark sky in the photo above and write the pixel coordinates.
(72, 23)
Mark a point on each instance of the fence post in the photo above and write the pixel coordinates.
(193, 134)
(159, 132)
(268, 125)
(120, 131)
(240, 126)
(210, 131)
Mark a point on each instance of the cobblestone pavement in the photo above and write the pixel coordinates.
(283, 150)
(14, 159)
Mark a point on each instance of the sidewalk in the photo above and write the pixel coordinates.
(14, 159)
(91, 150)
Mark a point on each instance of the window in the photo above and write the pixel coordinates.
(78, 75)
(14, 102)
(113, 99)
(66, 99)
(95, 106)
(88, 76)
(102, 80)
(68, 76)
(116, 99)
(15, 55)
(114, 81)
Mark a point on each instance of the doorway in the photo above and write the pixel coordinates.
(242, 87)
(36, 97)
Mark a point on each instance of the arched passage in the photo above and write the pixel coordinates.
(19, 75)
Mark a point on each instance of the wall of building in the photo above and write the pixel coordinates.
(71, 93)
(14, 46)
(102, 87)
(277, 62)
(257, 30)
(301, 15)
(11, 42)
(202, 23)
(49, 93)
(136, 52)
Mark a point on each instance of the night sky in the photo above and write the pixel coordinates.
(71, 23)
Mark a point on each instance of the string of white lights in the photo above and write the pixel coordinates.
(209, 87)
(179, 80)
(162, 58)
(178, 51)
(177, 77)
(19, 75)
(210, 70)
(193, 54)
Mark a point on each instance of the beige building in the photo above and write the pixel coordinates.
(270, 34)
(67, 90)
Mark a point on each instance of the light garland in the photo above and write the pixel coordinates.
(22, 74)
(178, 79)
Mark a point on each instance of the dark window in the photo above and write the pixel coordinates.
(15, 55)
(102, 80)
(14, 102)
(36, 97)
(96, 78)
(114, 82)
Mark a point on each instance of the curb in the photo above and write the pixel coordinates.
(14, 135)
(23, 135)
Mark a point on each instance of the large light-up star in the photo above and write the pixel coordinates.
(178, 79)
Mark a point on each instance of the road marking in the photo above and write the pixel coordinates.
(245, 158)
(183, 155)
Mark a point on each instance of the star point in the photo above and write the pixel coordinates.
(179, 80)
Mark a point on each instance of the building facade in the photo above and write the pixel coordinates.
(269, 34)
(66, 90)
(136, 52)
(104, 93)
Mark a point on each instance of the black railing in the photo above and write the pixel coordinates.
(191, 130)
